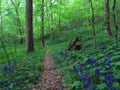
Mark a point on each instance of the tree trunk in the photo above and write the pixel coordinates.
(4, 48)
(93, 21)
(60, 2)
(29, 26)
(51, 22)
(107, 18)
(18, 21)
(42, 27)
(115, 20)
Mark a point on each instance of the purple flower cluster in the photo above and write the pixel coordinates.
(108, 78)
(75, 69)
(107, 61)
(15, 75)
(97, 72)
(86, 81)
(10, 68)
(64, 54)
(3, 82)
(91, 61)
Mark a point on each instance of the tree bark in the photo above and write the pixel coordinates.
(115, 20)
(107, 18)
(42, 27)
(93, 22)
(29, 26)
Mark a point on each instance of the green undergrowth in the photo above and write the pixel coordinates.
(22, 69)
(94, 64)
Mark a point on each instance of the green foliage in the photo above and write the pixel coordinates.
(26, 70)
(65, 62)
(64, 20)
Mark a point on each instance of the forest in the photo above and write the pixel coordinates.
(59, 45)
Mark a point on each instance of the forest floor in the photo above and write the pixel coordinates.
(51, 79)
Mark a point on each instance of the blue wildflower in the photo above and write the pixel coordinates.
(75, 69)
(64, 54)
(97, 71)
(107, 59)
(81, 69)
(78, 63)
(6, 68)
(90, 61)
(15, 81)
(15, 63)
(3, 82)
(109, 79)
(86, 81)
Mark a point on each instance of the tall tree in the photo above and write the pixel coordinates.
(115, 20)
(93, 21)
(29, 26)
(42, 21)
(60, 2)
(107, 18)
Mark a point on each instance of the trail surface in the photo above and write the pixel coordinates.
(51, 79)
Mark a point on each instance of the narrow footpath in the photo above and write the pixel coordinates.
(51, 79)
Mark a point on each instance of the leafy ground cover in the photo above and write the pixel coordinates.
(23, 71)
(89, 69)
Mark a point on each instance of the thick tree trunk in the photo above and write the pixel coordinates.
(42, 27)
(107, 18)
(29, 26)
(115, 20)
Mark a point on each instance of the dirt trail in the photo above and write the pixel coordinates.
(51, 79)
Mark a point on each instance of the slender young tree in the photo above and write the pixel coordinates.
(2, 38)
(115, 19)
(29, 26)
(60, 2)
(18, 21)
(51, 21)
(107, 18)
(42, 21)
(93, 22)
